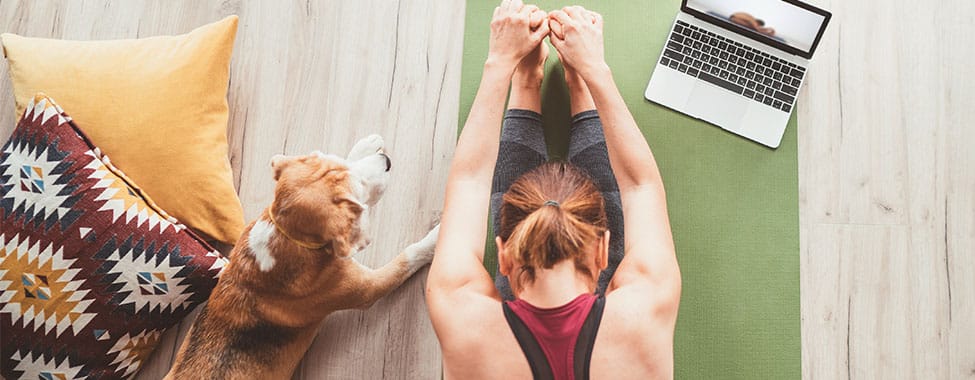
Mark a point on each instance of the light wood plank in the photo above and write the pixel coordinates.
(852, 104)
(877, 125)
(958, 96)
(865, 317)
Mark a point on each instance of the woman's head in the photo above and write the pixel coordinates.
(549, 215)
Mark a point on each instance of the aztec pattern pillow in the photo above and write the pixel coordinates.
(91, 270)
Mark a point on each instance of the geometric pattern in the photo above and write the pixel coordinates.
(101, 334)
(42, 192)
(32, 179)
(153, 283)
(36, 286)
(46, 294)
(122, 200)
(92, 272)
(141, 280)
(132, 351)
(35, 367)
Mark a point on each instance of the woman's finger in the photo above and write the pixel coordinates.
(526, 13)
(559, 43)
(537, 17)
(583, 14)
(575, 12)
(561, 17)
(516, 5)
(540, 33)
(505, 5)
(556, 28)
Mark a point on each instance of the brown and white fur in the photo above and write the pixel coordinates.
(292, 267)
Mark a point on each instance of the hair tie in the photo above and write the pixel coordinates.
(550, 203)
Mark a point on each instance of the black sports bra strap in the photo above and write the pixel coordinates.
(587, 338)
(541, 369)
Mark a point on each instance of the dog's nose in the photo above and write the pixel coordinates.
(389, 164)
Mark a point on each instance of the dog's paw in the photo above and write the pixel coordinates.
(367, 146)
(421, 252)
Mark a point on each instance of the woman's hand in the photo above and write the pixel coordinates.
(577, 34)
(516, 30)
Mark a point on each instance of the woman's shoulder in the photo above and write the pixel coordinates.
(655, 300)
(476, 341)
(633, 340)
(633, 328)
(461, 318)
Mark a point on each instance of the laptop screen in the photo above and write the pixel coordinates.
(789, 23)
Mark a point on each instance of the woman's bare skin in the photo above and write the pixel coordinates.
(635, 339)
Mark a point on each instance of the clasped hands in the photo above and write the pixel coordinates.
(517, 29)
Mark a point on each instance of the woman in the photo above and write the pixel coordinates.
(558, 224)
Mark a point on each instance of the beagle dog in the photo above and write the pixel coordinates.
(292, 267)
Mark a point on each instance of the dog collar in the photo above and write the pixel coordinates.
(300, 243)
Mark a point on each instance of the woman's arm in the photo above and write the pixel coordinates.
(649, 259)
(460, 247)
(463, 225)
(650, 254)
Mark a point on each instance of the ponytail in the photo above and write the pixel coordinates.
(549, 215)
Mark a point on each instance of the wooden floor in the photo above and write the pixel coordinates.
(887, 193)
(886, 152)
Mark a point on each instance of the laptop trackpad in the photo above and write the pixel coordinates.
(716, 105)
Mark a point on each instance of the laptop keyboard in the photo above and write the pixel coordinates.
(730, 65)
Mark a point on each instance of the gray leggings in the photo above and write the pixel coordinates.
(523, 148)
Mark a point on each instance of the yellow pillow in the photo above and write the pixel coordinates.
(157, 106)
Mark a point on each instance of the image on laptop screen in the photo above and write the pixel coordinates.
(775, 19)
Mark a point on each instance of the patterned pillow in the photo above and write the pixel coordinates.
(91, 270)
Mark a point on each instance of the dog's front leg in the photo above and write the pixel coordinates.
(379, 282)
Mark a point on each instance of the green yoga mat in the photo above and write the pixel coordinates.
(733, 203)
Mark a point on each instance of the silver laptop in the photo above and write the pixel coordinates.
(738, 64)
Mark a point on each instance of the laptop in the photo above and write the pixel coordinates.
(738, 64)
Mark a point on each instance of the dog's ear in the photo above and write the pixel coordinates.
(278, 162)
(354, 206)
(347, 231)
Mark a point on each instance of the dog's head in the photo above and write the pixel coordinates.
(322, 200)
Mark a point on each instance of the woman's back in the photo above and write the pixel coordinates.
(557, 341)
(480, 343)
